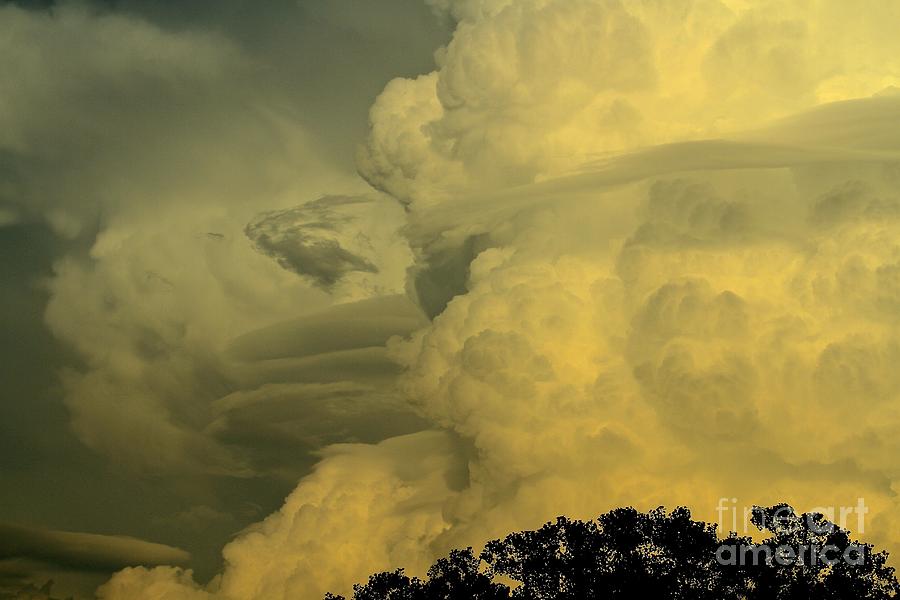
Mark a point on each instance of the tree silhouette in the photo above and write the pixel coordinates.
(629, 554)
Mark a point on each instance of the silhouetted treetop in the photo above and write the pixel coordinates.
(629, 554)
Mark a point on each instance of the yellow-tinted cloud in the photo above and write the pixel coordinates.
(672, 337)
(363, 506)
(531, 88)
(645, 291)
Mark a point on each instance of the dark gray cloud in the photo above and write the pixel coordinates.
(31, 559)
(84, 550)
(307, 240)
(13, 588)
(131, 110)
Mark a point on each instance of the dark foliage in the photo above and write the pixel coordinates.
(629, 554)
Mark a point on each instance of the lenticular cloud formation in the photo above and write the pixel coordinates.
(658, 246)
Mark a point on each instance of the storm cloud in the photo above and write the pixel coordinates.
(615, 254)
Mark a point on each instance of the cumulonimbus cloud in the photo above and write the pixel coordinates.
(658, 243)
(529, 88)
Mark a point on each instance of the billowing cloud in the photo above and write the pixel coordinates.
(527, 89)
(670, 327)
(656, 244)
(368, 505)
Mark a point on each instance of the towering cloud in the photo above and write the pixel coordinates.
(666, 327)
(656, 244)
(531, 88)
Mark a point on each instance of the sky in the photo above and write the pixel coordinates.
(294, 292)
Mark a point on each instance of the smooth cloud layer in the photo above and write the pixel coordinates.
(84, 550)
(25, 551)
